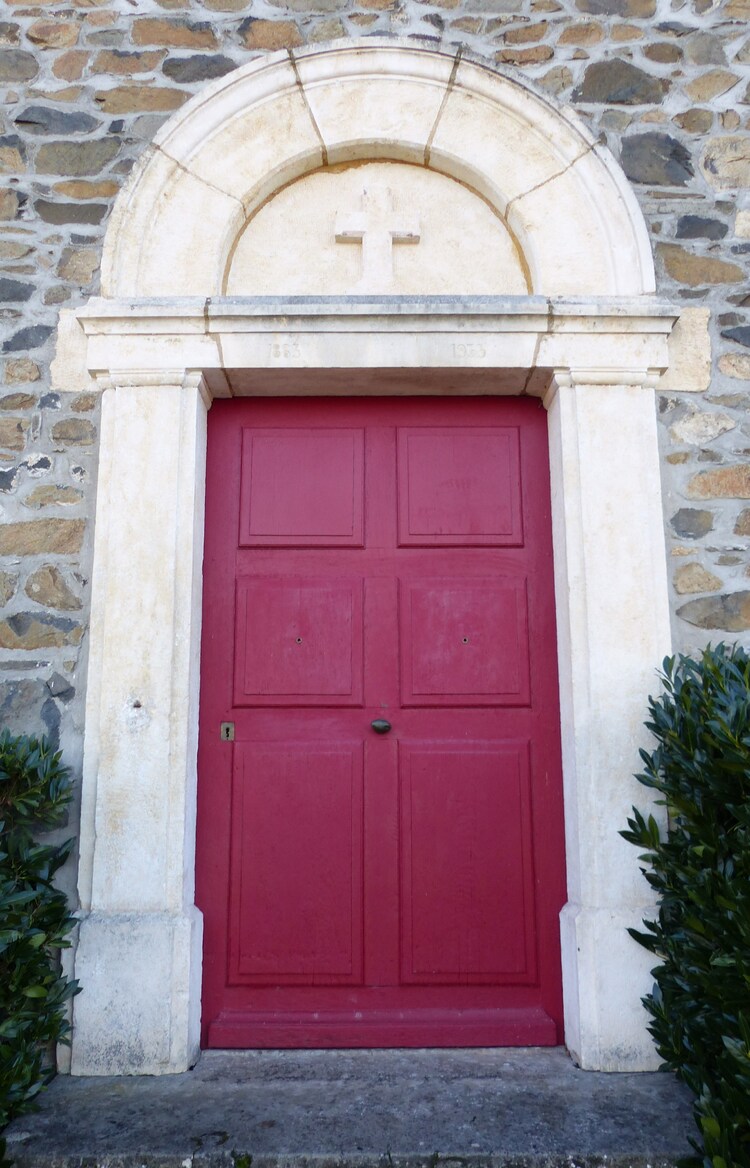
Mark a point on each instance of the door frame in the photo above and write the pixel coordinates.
(590, 339)
(158, 366)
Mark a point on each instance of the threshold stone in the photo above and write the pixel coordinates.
(523, 1108)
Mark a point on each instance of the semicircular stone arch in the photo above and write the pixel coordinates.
(492, 168)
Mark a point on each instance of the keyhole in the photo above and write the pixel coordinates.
(298, 640)
(465, 640)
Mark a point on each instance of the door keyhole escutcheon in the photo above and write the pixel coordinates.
(380, 726)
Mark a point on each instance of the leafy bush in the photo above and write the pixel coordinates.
(34, 921)
(700, 1004)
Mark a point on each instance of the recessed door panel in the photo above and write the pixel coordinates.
(301, 488)
(464, 642)
(467, 905)
(296, 888)
(298, 642)
(459, 486)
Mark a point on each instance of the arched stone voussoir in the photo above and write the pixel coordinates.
(245, 137)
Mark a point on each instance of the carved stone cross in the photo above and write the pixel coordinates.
(377, 227)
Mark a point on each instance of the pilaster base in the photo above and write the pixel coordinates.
(138, 1012)
(605, 975)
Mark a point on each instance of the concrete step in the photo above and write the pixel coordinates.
(523, 1108)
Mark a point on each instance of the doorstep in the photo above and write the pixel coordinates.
(521, 1108)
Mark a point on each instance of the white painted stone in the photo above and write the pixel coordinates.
(68, 371)
(464, 246)
(604, 964)
(742, 225)
(137, 834)
(369, 102)
(182, 245)
(366, 100)
(689, 368)
(490, 333)
(613, 631)
(284, 141)
(141, 978)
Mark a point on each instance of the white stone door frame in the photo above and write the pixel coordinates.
(589, 339)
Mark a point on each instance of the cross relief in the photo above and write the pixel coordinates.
(377, 227)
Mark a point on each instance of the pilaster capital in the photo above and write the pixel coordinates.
(152, 379)
(600, 376)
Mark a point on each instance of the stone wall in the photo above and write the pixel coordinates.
(87, 83)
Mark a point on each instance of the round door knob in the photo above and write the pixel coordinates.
(380, 726)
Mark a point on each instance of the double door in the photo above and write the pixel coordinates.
(380, 833)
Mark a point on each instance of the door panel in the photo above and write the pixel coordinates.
(379, 560)
(297, 844)
(298, 642)
(459, 488)
(467, 863)
(464, 642)
(301, 488)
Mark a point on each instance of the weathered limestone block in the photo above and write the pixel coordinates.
(691, 523)
(77, 158)
(13, 433)
(694, 578)
(74, 432)
(729, 612)
(48, 496)
(17, 65)
(742, 526)
(31, 630)
(270, 34)
(726, 162)
(27, 707)
(728, 482)
(689, 354)
(693, 270)
(61, 536)
(54, 34)
(8, 586)
(200, 67)
(48, 586)
(617, 82)
(18, 401)
(41, 120)
(735, 365)
(656, 158)
(700, 227)
(178, 34)
(711, 85)
(698, 428)
(119, 62)
(127, 99)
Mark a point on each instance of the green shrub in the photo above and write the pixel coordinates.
(34, 920)
(700, 1004)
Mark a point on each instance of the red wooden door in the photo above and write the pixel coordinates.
(379, 560)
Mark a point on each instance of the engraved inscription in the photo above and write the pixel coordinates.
(468, 350)
(285, 351)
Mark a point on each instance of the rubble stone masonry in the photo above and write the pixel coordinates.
(85, 85)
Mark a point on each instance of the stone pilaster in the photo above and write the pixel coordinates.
(613, 632)
(139, 949)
